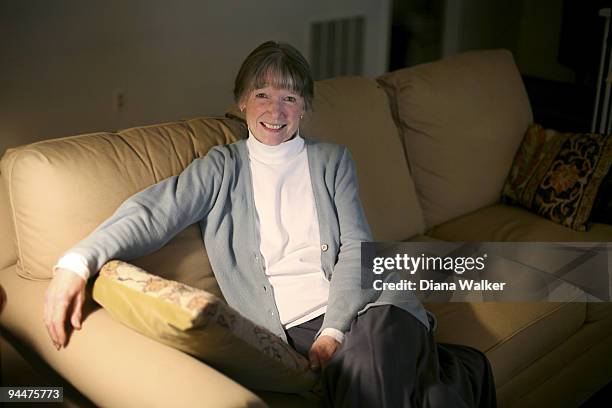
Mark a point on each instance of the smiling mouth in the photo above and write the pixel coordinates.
(271, 126)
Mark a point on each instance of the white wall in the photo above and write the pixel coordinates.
(62, 62)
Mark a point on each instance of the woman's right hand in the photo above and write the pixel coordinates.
(65, 297)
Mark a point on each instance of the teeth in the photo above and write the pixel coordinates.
(271, 126)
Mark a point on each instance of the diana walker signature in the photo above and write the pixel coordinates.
(426, 284)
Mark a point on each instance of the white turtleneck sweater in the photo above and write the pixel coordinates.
(289, 230)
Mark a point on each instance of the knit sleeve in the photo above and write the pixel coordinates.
(149, 219)
(346, 296)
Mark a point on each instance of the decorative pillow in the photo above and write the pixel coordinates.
(557, 175)
(202, 325)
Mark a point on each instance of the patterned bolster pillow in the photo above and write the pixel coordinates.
(202, 325)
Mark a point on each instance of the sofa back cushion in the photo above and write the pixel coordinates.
(62, 189)
(462, 120)
(8, 256)
(354, 112)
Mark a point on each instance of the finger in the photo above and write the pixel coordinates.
(315, 363)
(47, 320)
(328, 353)
(53, 334)
(325, 359)
(77, 311)
(59, 321)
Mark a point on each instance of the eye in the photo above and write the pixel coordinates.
(261, 95)
(290, 99)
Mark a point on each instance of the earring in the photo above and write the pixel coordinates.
(302, 116)
(242, 109)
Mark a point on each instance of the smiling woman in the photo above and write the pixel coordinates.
(275, 88)
(273, 115)
(283, 225)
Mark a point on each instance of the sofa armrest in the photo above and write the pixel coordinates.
(113, 365)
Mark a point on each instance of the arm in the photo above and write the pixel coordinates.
(142, 224)
(346, 297)
(148, 220)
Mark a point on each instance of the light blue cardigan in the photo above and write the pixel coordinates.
(217, 191)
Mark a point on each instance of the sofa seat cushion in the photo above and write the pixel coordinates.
(462, 120)
(504, 223)
(60, 190)
(140, 372)
(354, 112)
(201, 324)
(513, 334)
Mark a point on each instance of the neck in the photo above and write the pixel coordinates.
(274, 153)
(296, 134)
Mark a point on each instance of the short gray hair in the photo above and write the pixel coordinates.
(275, 64)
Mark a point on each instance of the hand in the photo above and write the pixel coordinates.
(321, 352)
(65, 294)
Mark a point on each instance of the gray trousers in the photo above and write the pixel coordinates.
(389, 359)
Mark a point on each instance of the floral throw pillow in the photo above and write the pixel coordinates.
(201, 324)
(557, 175)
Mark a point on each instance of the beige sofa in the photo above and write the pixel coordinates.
(433, 145)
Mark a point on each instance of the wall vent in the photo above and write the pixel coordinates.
(337, 47)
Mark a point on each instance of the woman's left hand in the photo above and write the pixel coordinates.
(321, 351)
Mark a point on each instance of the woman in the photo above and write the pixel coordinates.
(283, 224)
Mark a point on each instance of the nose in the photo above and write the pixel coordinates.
(275, 108)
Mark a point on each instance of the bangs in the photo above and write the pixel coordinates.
(277, 65)
(278, 74)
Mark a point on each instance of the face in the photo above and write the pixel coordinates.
(273, 114)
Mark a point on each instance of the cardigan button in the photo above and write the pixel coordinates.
(324, 247)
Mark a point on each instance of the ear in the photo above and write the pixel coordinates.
(242, 103)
